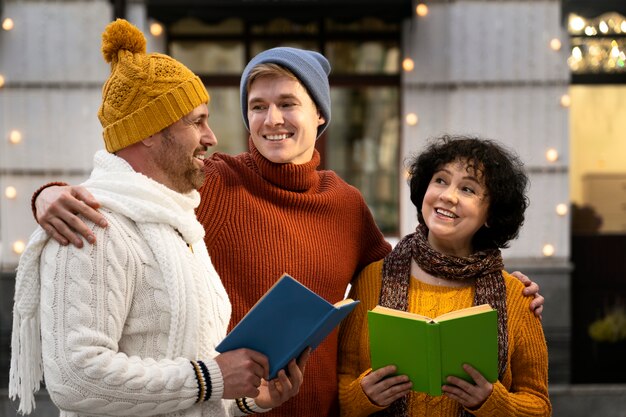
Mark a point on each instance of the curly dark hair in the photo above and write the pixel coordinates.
(503, 174)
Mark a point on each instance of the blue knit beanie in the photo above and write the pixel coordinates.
(310, 67)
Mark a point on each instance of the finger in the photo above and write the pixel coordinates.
(262, 368)
(286, 383)
(478, 378)
(523, 278)
(51, 231)
(531, 289)
(383, 372)
(537, 302)
(295, 372)
(65, 231)
(85, 196)
(304, 358)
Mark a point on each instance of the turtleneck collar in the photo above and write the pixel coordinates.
(290, 177)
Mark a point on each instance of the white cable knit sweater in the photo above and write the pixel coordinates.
(122, 318)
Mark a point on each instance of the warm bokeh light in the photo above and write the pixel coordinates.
(411, 119)
(10, 192)
(548, 250)
(19, 246)
(561, 209)
(555, 44)
(576, 23)
(604, 28)
(15, 137)
(408, 64)
(156, 29)
(552, 155)
(566, 100)
(421, 10)
(1, 81)
(7, 24)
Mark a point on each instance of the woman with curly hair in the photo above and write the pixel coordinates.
(470, 196)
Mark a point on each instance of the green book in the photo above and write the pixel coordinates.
(429, 350)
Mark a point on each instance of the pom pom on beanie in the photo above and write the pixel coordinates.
(121, 35)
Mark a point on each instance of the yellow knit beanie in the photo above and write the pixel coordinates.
(145, 93)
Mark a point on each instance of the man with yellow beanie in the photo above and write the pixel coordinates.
(129, 326)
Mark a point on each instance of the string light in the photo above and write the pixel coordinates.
(566, 100)
(7, 24)
(548, 250)
(1, 81)
(10, 192)
(15, 137)
(421, 10)
(411, 119)
(555, 44)
(408, 64)
(18, 246)
(156, 29)
(561, 209)
(552, 155)
(576, 23)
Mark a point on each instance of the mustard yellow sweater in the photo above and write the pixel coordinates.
(523, 391)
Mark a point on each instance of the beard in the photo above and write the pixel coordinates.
(180, 167)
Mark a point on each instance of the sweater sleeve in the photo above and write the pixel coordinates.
(354, 363)
(528, 393)
(86, 298)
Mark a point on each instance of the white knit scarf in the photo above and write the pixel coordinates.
(160, 214)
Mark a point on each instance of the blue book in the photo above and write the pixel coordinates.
(285, 321)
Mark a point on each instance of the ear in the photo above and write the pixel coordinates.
(320, 119)
(151, 140)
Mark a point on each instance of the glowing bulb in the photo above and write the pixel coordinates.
(421, 10)
(604, 28)
(1, 81)
(552, 155)
(576, 23)
(590, 31)
(408, 64)
(622, 26)
(561, 209)
(7, 24)
(411, 119)
(548, 250)
(577, 53)
(15, 137)
(10, 192)
(555, 44)
(566, 100)
(156, 29)
(19, 246)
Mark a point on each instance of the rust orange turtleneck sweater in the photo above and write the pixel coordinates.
(263, 219)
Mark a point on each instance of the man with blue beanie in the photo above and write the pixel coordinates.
(270, 210)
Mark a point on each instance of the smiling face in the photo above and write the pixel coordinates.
(179, 154)
(283, 120)
(455, 207)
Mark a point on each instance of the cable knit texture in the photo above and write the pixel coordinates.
(522, 391)
(121, 319)
(263, 219)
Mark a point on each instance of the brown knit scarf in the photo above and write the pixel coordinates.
(485, 267)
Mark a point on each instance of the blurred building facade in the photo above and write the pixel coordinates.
(403, 72)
